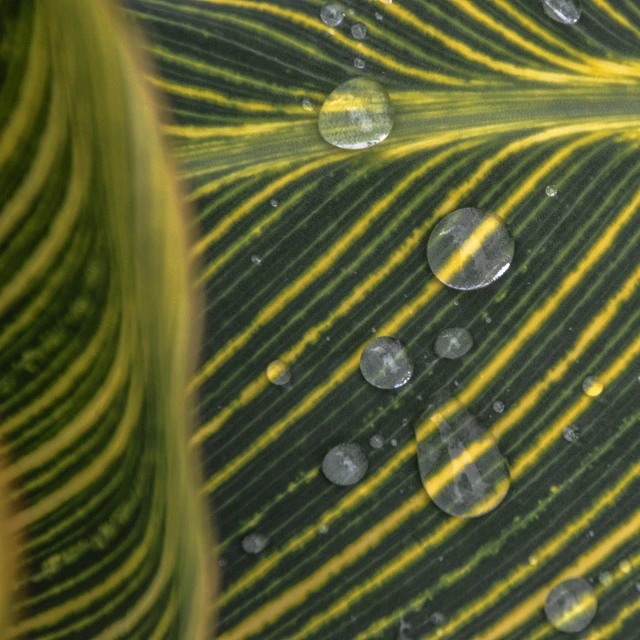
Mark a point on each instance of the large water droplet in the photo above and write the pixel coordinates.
(345, 464)
(332, 14)
(460, 464)
(453, 343)
(469, 249)
(278, 373)
(356, 115)
(254, 543)
(359, 31)
(385, 363)
(571, 605)
(564, 11)
(592, 386)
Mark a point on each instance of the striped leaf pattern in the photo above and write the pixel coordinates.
(93, 335)
(304, 251)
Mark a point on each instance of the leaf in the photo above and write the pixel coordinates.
(494, 102)
(94, 340)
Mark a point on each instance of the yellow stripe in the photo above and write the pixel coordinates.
(617, 16)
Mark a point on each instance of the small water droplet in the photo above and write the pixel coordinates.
(394, 442)
(278, 372)
(453, 343)
(533, 561)
(592, 386)
(378, 16)
(469, 249)
(345, 464)
(256, 259)
(376, 441)
(637, 585)
(356, 115)
(498, 406)
(374, 330)
(437, 619)
(551, 190)
(405, 422)
(488, 319)
(563, 11)
(359, 31)
(358, 63)
(323, 529)
(571, 433)
(460, 464)
(605, 578)
(571, 605)
(254, 543)
(385, 364)
(273, 202)
(307, 105)
(625, 566)
(332, 14)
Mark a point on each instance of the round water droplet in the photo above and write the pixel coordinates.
(332, 14)
(254, 543)
(358, 63)
(498, 406)
(469, 249)
(571, 433)
(592, 386)
(359, 31)
(376, 441)
(345, 464)
(385, 364)
(278, 372)
(460, 464)
(356, 115)
(625, 566)
(307, 105)
(551, 190)
(571, 605)
(563, 11)
(605, 578)
(256, 259)
(394, 442)
(453, 343)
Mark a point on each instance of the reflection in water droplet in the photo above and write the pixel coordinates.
(605, 578)
(278, 372)
(564, 11)
(345, 464)
(376, 441)
(469, 249)
(453, 343)
(571, 605)
(460, 464)
(498, 406)
(356, 115)
(254, 543)
(256, 259)
(571, 433)
(307, 104)
(592, 386)
(384, 363)
(551, 190)
(358, 63)
(359, 31)
(332, 14)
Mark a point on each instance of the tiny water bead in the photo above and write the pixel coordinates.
(359, 31)
(256, 259)
(605, 578)
(278, 373)
(356, 115)
(563, 11)
(385, 364)
(453, 343)
(273, 202)
(498, 406)
(345, 464)
(376, 441)
(571, 433)
(332, 14)
(254, 543)
(571, 605)
(551, 190)
(625, 567)
(592, 386)
(469, 249)
(358, 63)
(307, 105)
(460, 464)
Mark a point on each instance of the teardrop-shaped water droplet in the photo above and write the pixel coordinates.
(592, 386)
(278, 373)
(453, 343)
(345, 464)
(563, 11)
(571, 605)
(332, 14)
(385, 364)
(254, 543)
(359, 31)
(469, 249)
(460, 464)
(551, 190)
(356, 115)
